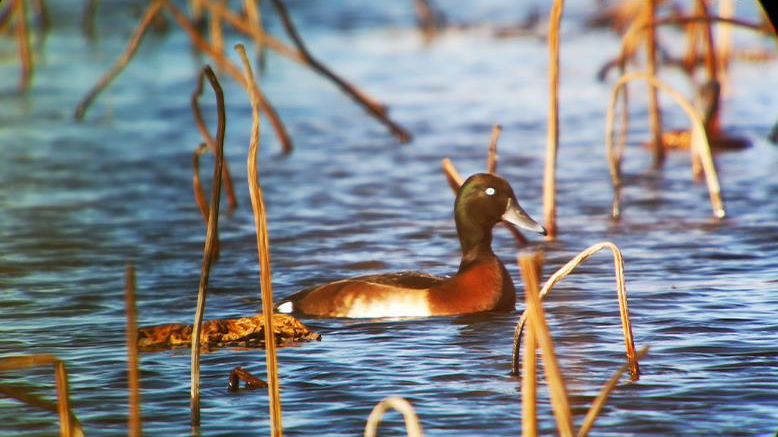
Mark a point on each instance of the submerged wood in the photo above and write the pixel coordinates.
(218, 333)
(263, 248)
(210, 242)
(412, 425)
(239, 374)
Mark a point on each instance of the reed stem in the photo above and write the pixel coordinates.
(653, 98)
(25, 53)
(375, 109)
(455, 181)
(599, 401)
(552, 143)
(232, 200)
(36, 401)
(529, 383)
(536, 317)
(134, 424)
(700, 145)
(226, 64)
(263, 249)
(412, 425)
(621, 291)
(491, 159)
(120, 63)
(210, 243)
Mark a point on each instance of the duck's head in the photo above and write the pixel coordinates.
(483, 201)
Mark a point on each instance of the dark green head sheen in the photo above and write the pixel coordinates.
(483, 201)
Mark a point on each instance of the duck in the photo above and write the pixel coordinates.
(481, 283)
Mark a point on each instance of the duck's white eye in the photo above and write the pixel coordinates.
(489, 191)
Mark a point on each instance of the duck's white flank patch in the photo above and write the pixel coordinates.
(413, 305)
(285, 307)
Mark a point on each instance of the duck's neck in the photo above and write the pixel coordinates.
(476, 242)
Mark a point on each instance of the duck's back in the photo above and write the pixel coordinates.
(401, 294)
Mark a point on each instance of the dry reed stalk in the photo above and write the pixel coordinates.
(197, 186)
(621, 290)
(210, 243)
(258, 34)
(653, 99)
(529, 383)
(491, 159)
(30, 399)
(263, 249)
(67, 427)
(232, 200)
(88, 18)
(713, 122)
(134, 424)
(724, 39)
(120, 63)
(552, 143)
(375, 109)
(700, 146)
(427, 19)
(227, 65)
(254, 18)
(240, 374)
(455, 181)
(63, 397)
(412, 425)
(215, 33)
(24, 45)
(599, 401)
(536, 317)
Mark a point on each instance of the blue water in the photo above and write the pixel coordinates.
(79, 200)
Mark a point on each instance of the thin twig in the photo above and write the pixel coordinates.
(529, 383)
(455, 181)
(227, 65)
(372, 107)
(412, 425)
(197, 186)
(36, 401)
(66, 427)
(263, 249)
(599, 401)
(653, 100)
(621, 291)
(24, 45)
(552, 139)
(134, 425)
(120, 63)
(232, 200)
(210, 240)
(88, 17)
(536, 317)
(700, 143)
(491, 159)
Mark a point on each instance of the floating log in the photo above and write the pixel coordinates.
(242, 331)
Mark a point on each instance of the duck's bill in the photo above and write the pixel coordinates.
(514, 214)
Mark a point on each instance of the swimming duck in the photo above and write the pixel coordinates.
(481, 284)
